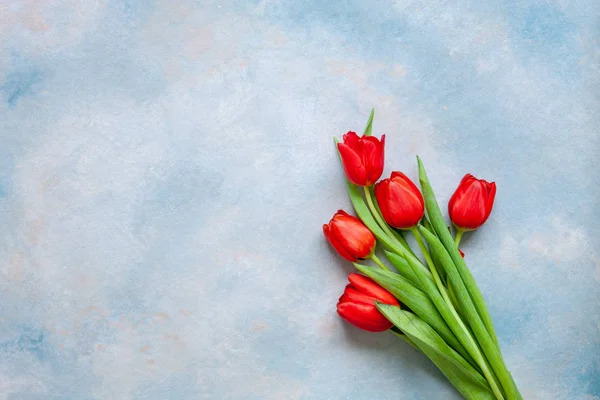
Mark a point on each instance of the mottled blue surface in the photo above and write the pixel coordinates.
(166, 166)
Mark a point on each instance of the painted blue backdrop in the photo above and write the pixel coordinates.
(166, 166)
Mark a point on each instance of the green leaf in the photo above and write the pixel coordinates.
(403, 268)
(402, 336)
(413, 298)
(460, 373)
(465, 288)
(454, 301)
(427, 224)
(441, 271)
(444, 235)
(467, 348)
(369, 127)
(487, 345)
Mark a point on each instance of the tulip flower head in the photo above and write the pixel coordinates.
(400, 201)
(349, 236)
(472, 202)
(357, 304)
(362, 158)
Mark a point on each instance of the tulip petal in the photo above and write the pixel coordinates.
(381, 194)
(408, 183)
(355, 296)
(344, 298)
(406, 208)
(472, 206)
(372, 154)
(351, 139)
(403, 203)
(467, 179)
(490, 199)
(371, 288)
(458, 192)
(343, 213)
(366, 149)
(336, 244)
(353, 236)
(355, 170)
(364, 316)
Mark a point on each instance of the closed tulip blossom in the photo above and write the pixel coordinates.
(362, 158)
(472, 202)
(400, 201)
(349, 236)
(357, 304)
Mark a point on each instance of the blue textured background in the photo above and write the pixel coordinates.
(166, 166)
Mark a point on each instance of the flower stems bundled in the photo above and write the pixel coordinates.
(439, 311)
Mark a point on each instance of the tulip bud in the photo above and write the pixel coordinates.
(349, 236)
(362, 158)
(400, 201)
(357, 304)
(472, 202)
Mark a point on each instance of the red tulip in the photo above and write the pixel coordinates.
(349, 236)
(362, 158)
(472, 202)
(400, 201)
(357, 304)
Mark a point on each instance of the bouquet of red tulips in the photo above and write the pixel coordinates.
(435, 306)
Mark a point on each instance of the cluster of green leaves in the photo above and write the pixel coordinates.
(443, 313)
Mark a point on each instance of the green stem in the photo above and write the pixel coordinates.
(487, 346)
(454, 300)
(425, 252)
(458, 237)
(375, 213)
(472, 345)
(467, 291)
(379, 262)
